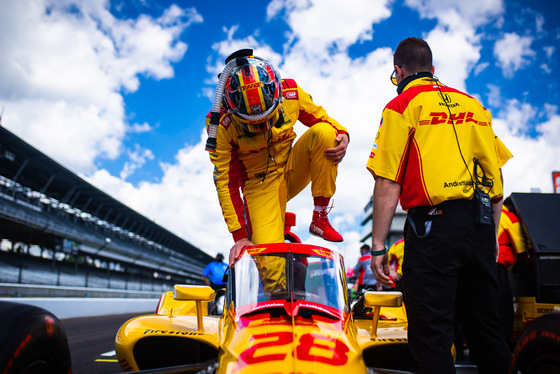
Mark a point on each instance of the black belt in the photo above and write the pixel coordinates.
(446, 207)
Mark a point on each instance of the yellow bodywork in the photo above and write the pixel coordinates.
(526, 309)
(279, 334)
(175, 317)
(264, 344)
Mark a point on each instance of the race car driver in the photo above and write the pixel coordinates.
(256, 168)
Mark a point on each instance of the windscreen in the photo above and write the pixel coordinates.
(264, 278)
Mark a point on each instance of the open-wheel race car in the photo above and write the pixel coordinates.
(286, 310)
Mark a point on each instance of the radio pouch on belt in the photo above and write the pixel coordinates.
(482, 207)
(481, 199)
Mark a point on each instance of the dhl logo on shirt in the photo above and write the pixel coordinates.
(438, 118)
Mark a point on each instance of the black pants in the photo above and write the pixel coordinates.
(452, 270)
(505, 305)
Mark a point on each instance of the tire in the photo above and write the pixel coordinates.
(538, 349)
(33, 341)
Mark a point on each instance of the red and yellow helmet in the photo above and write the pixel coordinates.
(253, 94)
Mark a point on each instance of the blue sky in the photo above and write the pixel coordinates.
(117, 91)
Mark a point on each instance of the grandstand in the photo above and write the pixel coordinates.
(59, 231)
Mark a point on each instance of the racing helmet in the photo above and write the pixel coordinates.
(252, 94)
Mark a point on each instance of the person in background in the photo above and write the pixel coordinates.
(213, 273)
(395, 259)
(512, 242)
(363, 271)
(436, 151)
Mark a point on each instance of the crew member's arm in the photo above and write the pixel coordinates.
(385, 199)
(207, 281)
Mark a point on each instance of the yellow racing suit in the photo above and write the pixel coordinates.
(256, 174)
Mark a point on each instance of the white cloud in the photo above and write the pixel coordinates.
(137, 159)
(549, 51)
(518, 116)
(456, 51)
(140, 127)
(321, 25)
(534, 157)
(184, 202)
(513, 53)
(231, 44)
(474, 13)
(494, 96)
(63, 67)
(550, 129)
(480, 67)
(539, 20)
(454, 41)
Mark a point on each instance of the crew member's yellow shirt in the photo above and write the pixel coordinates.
(419, 147)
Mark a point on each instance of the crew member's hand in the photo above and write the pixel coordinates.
(237, 249)
(381, 270)
(337, 153)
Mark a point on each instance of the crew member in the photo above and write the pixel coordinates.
(436, 151)
(512, 242)
(363, 271)
(395, 259)
(213, 273)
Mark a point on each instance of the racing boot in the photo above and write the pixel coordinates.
(321, 227)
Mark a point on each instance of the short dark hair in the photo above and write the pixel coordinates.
(413, 54)
(364, 247)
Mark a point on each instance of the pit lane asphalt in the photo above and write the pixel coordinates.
(92, 343)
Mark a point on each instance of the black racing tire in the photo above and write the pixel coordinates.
(32, 341)
(538, 349)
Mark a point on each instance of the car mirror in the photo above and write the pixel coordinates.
(197, 294)
(376, 300)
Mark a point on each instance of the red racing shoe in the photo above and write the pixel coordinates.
(321, 227)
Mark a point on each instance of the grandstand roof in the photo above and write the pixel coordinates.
(27, 166)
